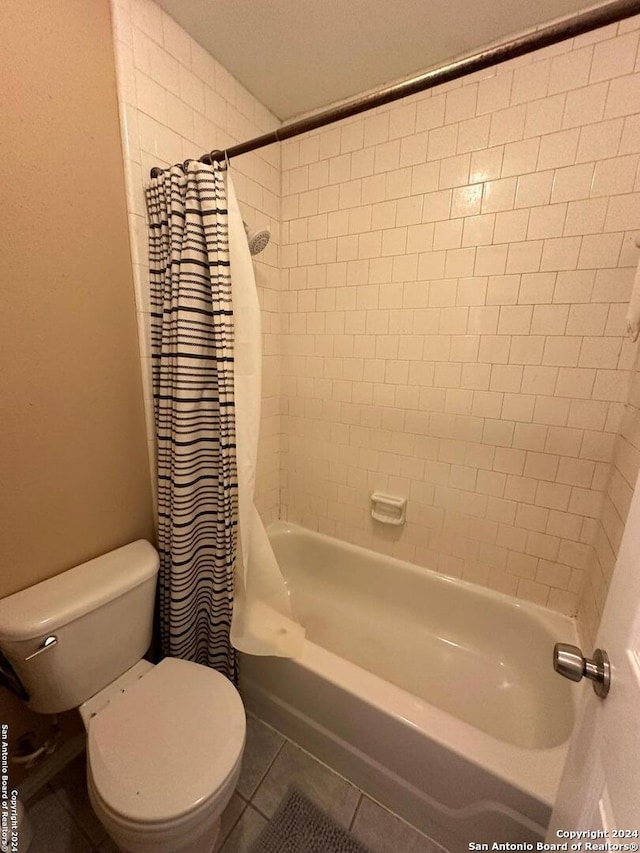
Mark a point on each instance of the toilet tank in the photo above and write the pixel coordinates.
(100, 614)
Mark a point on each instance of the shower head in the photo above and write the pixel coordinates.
(257, 239)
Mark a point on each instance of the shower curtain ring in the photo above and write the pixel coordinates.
(215, 155)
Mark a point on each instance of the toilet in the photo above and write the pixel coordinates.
(164, 742)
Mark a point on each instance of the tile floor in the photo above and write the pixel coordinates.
(63, 821)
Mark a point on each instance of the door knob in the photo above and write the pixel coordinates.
(570, 662)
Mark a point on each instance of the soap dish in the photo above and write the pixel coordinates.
(388, 509)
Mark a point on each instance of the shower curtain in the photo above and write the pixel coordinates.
(195, 397)
(263, 622)
(192, 364)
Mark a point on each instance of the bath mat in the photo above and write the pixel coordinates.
(299, 826)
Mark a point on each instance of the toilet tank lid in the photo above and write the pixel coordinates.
(55, 602)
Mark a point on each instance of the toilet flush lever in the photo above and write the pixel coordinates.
(570, 662)
(46, 644)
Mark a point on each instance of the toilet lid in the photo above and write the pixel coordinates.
(168, 744)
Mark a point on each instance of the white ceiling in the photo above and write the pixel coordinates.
(299, 55)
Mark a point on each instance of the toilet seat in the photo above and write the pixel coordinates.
(167, 745)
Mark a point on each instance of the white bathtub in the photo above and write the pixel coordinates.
(435, 696)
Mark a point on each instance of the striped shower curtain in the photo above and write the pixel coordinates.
(192, 358)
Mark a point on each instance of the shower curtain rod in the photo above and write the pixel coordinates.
(581, 23)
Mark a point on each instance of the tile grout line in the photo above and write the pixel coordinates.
(236, 821)
(356, 810)
(405, 822)
(261, 813)
(248, 801)
(266, 773)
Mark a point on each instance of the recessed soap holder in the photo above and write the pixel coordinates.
(388, 509)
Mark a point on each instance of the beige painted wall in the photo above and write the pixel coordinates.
(73, 463)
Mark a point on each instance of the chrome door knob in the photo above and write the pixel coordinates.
(569, 661)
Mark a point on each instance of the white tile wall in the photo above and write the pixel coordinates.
(443, 301)
(176, 102)
(457, 271)
(620, 483)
